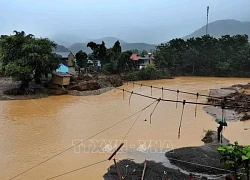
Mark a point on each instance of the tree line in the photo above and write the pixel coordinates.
(206, 56)
(113, 60)
(26, 58)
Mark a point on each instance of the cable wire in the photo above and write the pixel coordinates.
(42, 162)
(138, 118)
(132, 126)
(188, 162)
(77, 169)
(187, 102)
(190, 93)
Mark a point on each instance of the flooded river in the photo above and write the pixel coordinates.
(33, 130)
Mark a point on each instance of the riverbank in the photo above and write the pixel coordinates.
(203, 162)
(236, 95)
(84, 85)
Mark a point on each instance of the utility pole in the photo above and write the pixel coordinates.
(207, 19)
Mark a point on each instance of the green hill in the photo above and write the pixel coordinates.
(74, 48)
(223, 27)
(60, 48)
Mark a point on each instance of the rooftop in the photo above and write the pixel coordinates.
(62, 74)
(134, 57)
(62, 68)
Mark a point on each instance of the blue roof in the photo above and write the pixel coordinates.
(62, 68)
(63, 54)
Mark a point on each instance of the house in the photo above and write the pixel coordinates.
(142, 61)
(61, 78)
(68, 60)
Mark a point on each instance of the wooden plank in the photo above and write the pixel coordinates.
(117, 171)
(114, 153)
(144, 169)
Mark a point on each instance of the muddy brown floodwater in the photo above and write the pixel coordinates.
(33, 130)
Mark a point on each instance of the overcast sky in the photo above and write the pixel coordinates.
(149, 21)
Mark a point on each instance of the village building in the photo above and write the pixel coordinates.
(142, 61)
(63, 74)
(61, 78)
(67, 63)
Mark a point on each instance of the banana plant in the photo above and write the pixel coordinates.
(231, 157)
(246, 159)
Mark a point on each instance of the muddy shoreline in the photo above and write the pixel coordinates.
(203, 162)
(235, 96)
(80, 86)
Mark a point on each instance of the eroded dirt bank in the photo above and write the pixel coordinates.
(80, 86)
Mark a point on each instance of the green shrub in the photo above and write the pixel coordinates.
(147, 73)
(111, 68)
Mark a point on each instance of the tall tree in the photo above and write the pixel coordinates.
(26, 58)
(81, 59)
(144, 53)
(117, 48)
(125, 63)
(99, 51)
(135, 51)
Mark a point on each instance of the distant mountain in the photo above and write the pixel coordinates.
(139, 46)
(109, 42)
(223, 27)
(66, 39)
(74, 48)
(60, 48)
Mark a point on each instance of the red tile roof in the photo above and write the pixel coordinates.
(134, 57)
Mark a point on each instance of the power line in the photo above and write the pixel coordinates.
(197, 164)
(104, 160)
(157, 99)
(132, 126)
(188, 162)
(190, 93)
(79, 142)
(187, 102)
(77, 169)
